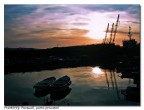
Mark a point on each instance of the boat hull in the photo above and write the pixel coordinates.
(43, 87)
(61, 84)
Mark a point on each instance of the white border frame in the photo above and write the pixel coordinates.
(2, 2)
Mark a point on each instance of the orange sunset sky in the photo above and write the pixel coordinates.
(47, 26)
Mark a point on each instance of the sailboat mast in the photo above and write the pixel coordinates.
(129, 33)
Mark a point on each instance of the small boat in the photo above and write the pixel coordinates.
(61, 84)
(43, 87)
(45, 83)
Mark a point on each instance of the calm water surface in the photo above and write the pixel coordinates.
(91, 86)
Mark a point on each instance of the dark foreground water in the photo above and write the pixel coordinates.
(91, 86)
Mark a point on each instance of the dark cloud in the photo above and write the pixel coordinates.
(134, 22)
(112, 7)
(58, 9)
(80, 23)
(132, 10)
(126, 32)
(13, 11)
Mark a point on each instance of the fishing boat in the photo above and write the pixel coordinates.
(61, 84)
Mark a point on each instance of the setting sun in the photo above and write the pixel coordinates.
(97, 26)
(95, 34)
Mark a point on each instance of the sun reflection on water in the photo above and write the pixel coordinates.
(97, 71)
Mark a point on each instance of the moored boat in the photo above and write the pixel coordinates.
(43, 87)
(45, 83)
(61, 84)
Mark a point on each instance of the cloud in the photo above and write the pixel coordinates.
(37, 24)
(134, 22)
(112, 7)
(131, 10)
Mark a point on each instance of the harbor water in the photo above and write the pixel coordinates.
(91, 86)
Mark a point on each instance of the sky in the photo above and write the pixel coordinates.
(52, 25)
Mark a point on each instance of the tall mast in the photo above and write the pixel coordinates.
(129, 33)
(111, 33)
(106, 34)
(115, 31)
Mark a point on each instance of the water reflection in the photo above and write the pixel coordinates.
(96, 70)
(60, 95)
(41, 93)
(54, 97)
(110, 78)
(107, 81)
(132, 93)
(87, 88)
